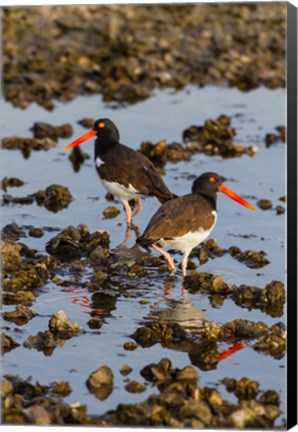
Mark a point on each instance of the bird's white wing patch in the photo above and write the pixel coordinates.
(98, 162)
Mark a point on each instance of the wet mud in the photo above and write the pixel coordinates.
(124, 53)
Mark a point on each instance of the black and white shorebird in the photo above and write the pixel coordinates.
(124, 172)
(184, 222)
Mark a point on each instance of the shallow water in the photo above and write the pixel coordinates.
(165, 115)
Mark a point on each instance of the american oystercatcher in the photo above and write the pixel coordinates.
(124, 172)
(185, 221)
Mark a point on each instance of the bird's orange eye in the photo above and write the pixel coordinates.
(101, 125)
(212, 179)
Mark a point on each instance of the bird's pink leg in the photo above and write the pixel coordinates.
(128, 212)
(184, 263)
(168, 258)
(138, 209)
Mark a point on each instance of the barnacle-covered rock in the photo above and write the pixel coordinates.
(126, 64)
(87, 122)
(111, 212)
(59, 325)
(11, 182)
(215, 137)
(21, 297)
(270, 299)
(36, 404)
(27, 144)
(45, 130)
(100, 382)
(240, 329)
(77, 242)
(162, 152)
(135, 387)
(36, 232)
(250, 258)
(273, 138)
(125, 369)
(153, 333)
(273, 343)
(206, 282)
(244, 388)
(20, 316)
(8, 343)
(23, 280)
(264, 204)
(54, 198)
(12, 231)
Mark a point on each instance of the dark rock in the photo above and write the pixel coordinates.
(45, 130)
(76, 242)
(11, 182)
(100, 382)
(274, 342)
(27, 144)
(130, 346)
(9, 199)
(59, 325)
(20, 316)
(37, 415)
(265, 204)
(54, 198)
(21, 297)
(269, 299)
(8, 343)
(206, 282)
(280, 210)
(196, 409)
(250, 258)
(12, 232)
(35, 404)
(87, 123)
(240, 329)
(215, 138)
(111, 212)
(36, 232)
(6, 387)
(270, 397)
(61, 388)
(95, 324)
(243, 388)
(125, 370)
(135, 387)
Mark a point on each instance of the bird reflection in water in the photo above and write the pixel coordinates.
(98, 305)
(169, 312)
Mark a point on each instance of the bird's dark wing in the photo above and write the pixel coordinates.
(177, 217)
(132, 167)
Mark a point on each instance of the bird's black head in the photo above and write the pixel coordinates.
(106, 130)
(207, 184)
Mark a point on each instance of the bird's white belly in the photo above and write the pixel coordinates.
(122, 192)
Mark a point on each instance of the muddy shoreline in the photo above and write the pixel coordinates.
(125, 52)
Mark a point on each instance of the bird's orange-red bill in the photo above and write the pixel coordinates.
(235, 197)
(80, 140)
